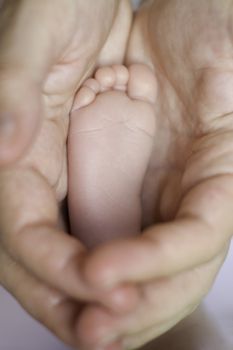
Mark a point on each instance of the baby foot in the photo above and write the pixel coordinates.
(110, 141)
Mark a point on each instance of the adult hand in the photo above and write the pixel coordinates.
(175, 262)
(46, 48)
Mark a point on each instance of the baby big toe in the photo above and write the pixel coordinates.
(142, 83)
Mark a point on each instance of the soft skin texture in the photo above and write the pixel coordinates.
(193, 189)
(110, 143)
(43, 59)
(189, 187)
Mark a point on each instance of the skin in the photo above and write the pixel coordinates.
(56, 63)
(193, 193)
(200, 220)
(109, 149)
(43, 60)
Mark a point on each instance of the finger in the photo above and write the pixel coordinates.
(25, 55)
(202, 228)
(99, 329)
(45, 304)
(28, 226)
(197, 283)
(28, 231)
(20, 114)
(59, 264)
(34, 37)
(29, 46)
(139, 339)
(164, 303)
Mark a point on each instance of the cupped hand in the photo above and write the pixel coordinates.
(190, 180)
(46, 49)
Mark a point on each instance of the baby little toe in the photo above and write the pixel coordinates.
(84, 97)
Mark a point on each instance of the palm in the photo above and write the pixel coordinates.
(190, 174)
(195, 108)
(58, 92)
(79, 50)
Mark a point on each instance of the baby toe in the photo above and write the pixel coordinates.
(142, 83)
(122, 77)
(83, 98)
(92, 84)
(106, 78)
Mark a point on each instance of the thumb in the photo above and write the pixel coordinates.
(25, 58)
(20, 112)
